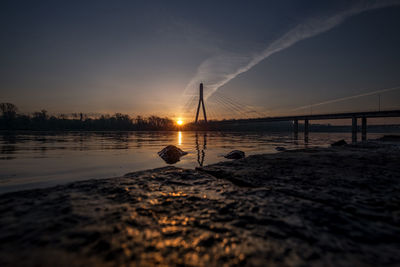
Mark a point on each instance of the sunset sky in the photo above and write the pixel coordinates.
(147, 57)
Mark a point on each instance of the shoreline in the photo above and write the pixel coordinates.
(319, 128)
(317, 206)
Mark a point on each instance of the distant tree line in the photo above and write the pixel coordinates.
(42, 121)
(11, 120)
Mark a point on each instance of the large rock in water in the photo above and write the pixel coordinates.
(235, 154)
(171, 154)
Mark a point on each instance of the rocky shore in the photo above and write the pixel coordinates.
(324, 207)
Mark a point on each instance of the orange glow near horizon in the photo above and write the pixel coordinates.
(179, 122)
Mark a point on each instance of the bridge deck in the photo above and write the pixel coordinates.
(330, 116)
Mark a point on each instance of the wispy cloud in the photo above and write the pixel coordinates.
(216, 71)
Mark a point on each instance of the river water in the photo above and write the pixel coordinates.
(34, 160)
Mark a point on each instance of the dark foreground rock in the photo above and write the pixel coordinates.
(321, 207)
(339, 143)
(390, 138)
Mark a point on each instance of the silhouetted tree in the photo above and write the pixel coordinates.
(9, 113)
(61, 116)
(41, 115)
(8, 110)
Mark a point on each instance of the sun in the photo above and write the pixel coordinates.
(179, 122)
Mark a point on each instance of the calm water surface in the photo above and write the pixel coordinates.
(45, 159)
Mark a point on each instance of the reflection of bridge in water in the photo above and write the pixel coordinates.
(243, 109)
(200, 148)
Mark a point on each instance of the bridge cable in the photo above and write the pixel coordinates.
(249, 109)
(231, 107)
(224, 106)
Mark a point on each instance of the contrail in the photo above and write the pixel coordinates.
(348, 98)
(217, 71)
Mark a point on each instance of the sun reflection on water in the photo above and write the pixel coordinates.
(179, 138)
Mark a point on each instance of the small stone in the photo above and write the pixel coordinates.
(339, 143)
(280, 148)
(235, 154)
(171, 154)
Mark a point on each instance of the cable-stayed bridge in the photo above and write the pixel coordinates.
(241, 113)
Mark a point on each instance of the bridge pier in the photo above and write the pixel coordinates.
(306, 131)
(296, 129)
(364, 129)
(354, 130)
(201, 103)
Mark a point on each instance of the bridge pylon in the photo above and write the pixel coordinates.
(201, 102)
